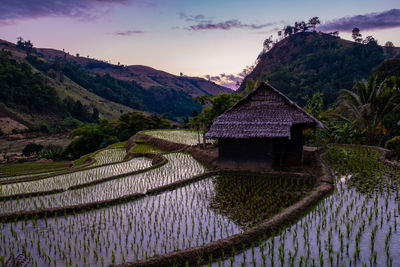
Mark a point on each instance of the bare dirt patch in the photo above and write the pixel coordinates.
(16, 143)
(8, 124)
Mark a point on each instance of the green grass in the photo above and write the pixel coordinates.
(82, 160)
(142, 148)
(186, 137)
(15, 169)
(118, 145)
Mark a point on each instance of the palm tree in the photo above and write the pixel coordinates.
(368, 104)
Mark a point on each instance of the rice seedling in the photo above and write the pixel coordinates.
(109, 156)
(142, 148)
(352, 227)
(65, 181)
(185, 217)
(186, 137)
(180, 166)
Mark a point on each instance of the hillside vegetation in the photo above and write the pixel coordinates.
(145, 76)
(155, 99)
(28, 91)
(97, 87)
(309, 62)
(32, 99)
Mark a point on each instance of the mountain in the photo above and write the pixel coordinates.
(144, 76)
(32, 99)
(99, 87)
(309, 62)
(138, 87)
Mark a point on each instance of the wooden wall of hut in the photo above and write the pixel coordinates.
(256, 154)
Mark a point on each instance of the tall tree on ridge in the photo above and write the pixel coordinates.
(313, 22)
(356, 35)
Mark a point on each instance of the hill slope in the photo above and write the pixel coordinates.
(112, 89)
(30, 99)
(138, 87)
(309, 62)
(144, 76)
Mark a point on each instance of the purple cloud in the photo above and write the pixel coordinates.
(227, 25)
(194, 18)
(227, 80)
(12, 10)
(129, 33)
(382, 20)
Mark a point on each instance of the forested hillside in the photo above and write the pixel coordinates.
(161, 100)
(308, 62)
(30, 92)
(98, 87)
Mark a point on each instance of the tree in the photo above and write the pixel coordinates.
(267, 44)
(389, 49)
(369, 40)
(26, 45)
(53, 152)
(389, 44)
(288, 30)
(249, 85)
(368, 104)
(20, 43)
(313, 22)
(388, 69)
(203, 100)
(315, 105)
(296, 27)
(32, 148)
(356, 35)
(237, 85)
(303, 26)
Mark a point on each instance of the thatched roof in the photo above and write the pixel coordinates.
(264, 112)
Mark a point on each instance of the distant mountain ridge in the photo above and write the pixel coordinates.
(109, 89)
(143, 75)
(309, 62)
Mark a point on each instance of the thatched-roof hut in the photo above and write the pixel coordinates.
(263, 130)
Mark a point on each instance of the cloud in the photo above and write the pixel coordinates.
(12, 10)
(194, 18)
(382, 20)
(227, 80)
(206, 23)
(129, 33)
(227, 25)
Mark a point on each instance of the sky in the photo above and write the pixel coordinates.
(207, 38)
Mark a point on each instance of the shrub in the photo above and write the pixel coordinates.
(394, 145)
(31, 148)
(43, 128)
(22, 160)
(53, 152)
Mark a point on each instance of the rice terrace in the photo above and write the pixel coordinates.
(124, 209)
(137, 133)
